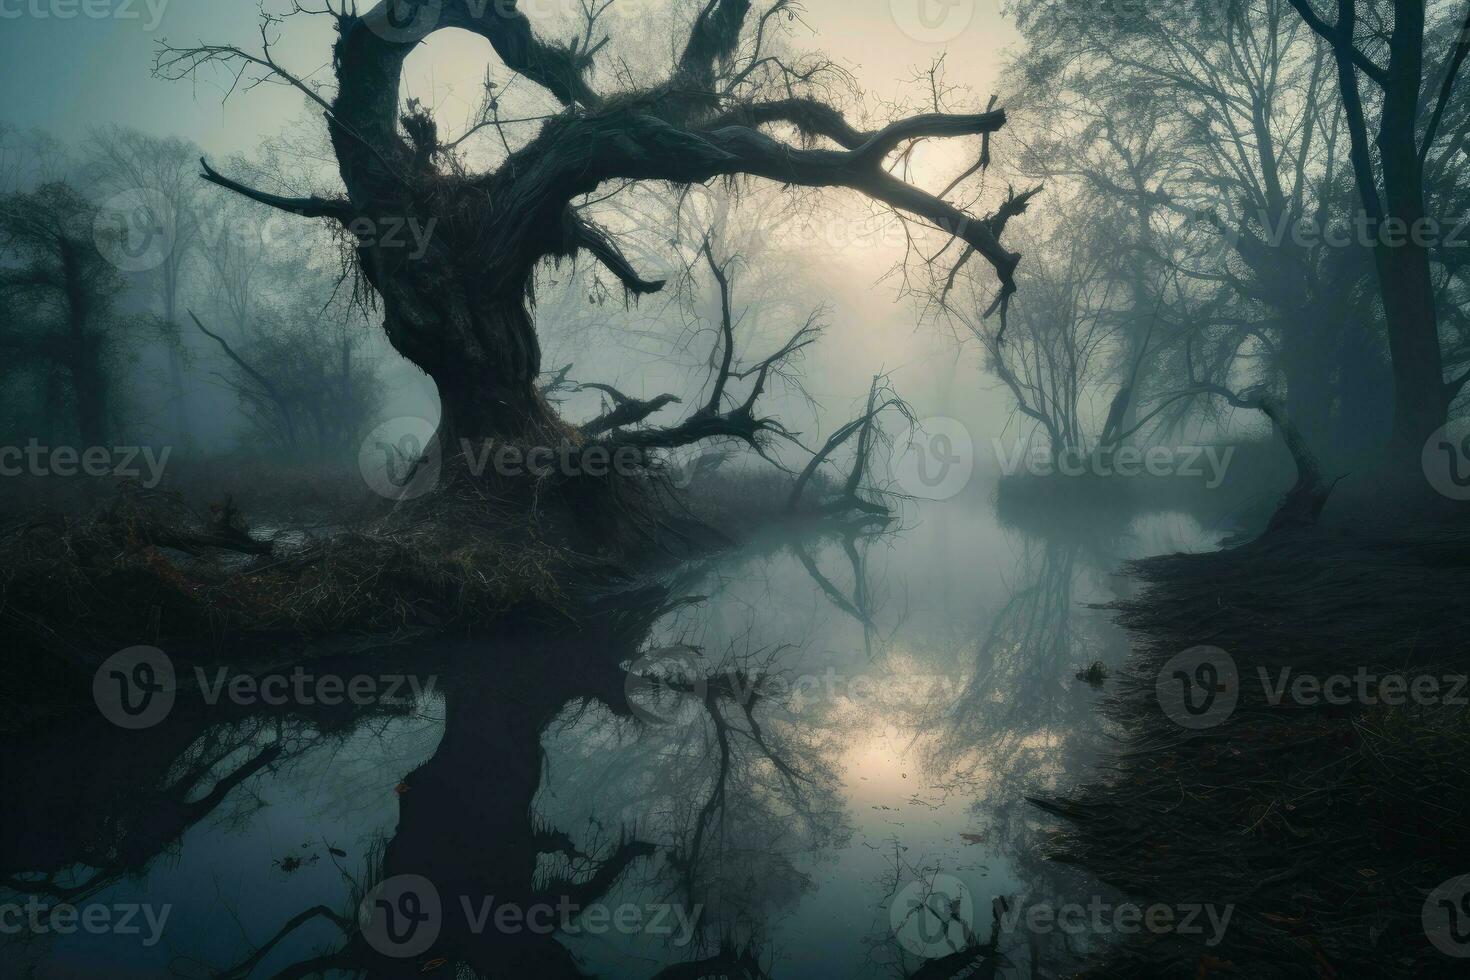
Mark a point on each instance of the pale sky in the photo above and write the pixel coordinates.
(65, 70)
(66, 74)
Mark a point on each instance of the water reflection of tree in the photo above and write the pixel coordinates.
(865, 597)
(738, 794)
(544, 785)
(1024, 720)
(1021, 692)
(717, 809)
(88, 805)
(693, 812)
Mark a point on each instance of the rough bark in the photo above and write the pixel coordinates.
(81, 355)
(1421, 396)
(460, 311)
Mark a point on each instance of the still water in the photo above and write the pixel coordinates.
(807, 758)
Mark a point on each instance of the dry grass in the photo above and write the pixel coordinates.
(1324, 826)
(147, 569)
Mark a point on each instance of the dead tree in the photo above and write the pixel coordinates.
(1304, 502)
(261, 391)
(460, 309)
(1393, 191)
(73, 328)
(722, 415)
(881, 398)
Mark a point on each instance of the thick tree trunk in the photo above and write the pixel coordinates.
(1421, 404)
(467, 821)
(1365, 400)
(88, 383)
(1306, 363)
(1421, 398)
(456, 296)
(481, 352)
(91, 402)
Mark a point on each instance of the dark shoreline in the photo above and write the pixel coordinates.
(1325, 825)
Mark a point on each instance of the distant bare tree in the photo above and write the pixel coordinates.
(161, 176)
(1391, 183)
(68, 290)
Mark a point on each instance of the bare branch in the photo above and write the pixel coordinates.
(265, 383)
(626, 411)
(588, 236)
(1457, 59)
(1341, 39)
(307, 207)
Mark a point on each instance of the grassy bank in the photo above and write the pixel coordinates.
(1325, 825)
(305, 562)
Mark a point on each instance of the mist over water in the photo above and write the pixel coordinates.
(674, 489)
(913, 698)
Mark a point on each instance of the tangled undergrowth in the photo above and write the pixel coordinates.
(148, 569)
(322, 573)
(1326, 826)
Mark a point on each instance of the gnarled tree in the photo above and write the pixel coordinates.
(461, 309)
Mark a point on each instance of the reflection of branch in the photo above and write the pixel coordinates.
(746, 691)
(829, 589)
(243, 969)
(1025, 649)
(587, 893)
